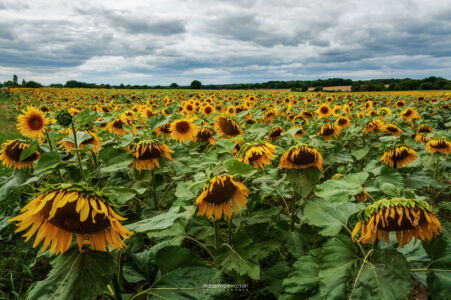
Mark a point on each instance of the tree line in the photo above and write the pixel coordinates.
(392, 84)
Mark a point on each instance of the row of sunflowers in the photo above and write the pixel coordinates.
(182, 194)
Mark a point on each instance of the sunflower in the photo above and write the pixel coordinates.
(227, 127)
(307, 114)
(32, 123)
(400, 104)
(438, 145)
(94, 140)
(60, 212)
(408, 114)
(269, 116)
(146, 154)
(373, 125)
(328, 131)
(10, 155)
(301, 157)
(421, 138)
(218, 194)
(205, 133)
(208, 110)
(324, 111)
(165, 130)
(117, 125)
(342, 122)
(300, 120)
(258, 154)
(392, 129)
(407, 217)
(275, 133)
(183, 130)
(300, 131)
(399, 156)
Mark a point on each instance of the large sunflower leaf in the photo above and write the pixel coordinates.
(156, 121)
(174, 257)
(140, 266)
(329, 217)
(47, 161)
(439, 275)
(235, 167)
(303, 281)
(339, 190)
(389, 175)
(161, 221)
(76, 275)
(303, 180)
(189, 283)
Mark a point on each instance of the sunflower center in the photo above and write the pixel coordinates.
(204, 134)
(67, 218)
(401, 155)
(408, 113)
(342, 121)
(229, 127)
(35, 122)
(275, 133)
(182, 127)
(151, 152)
(392, 224)
(221, 192)
(440, 145)
(302, 158)
(88, 141)
(392, 129)
(328, 131)
(13, 151)
(255, 156)
(208, 110)
(324, 110)
(117, 124)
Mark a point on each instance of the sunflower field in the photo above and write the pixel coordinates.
(184, 194)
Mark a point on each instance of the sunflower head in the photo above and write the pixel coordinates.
(300, 131)
(32, 123)
(258, 154)
(146, 154)
(328, 131)
(11, 151)
(438, 145)
(227, 127)
(324, 111)
(206, 133)
(183, 130)
(63, 117)
(342, 122)
(392, 129)
(407, 217)
(219, 195)
(94, 140)
(301, 156)
(399, 156)
(62, 211)
(275, 132)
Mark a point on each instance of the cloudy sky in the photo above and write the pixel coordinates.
(160, 42)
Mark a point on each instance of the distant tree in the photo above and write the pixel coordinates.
(175, 85)
(318, 89)
(195, 85)
(24, 82)
(32, 84)
(15, 79)
(56, 85)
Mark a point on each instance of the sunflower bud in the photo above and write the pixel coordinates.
(64, 118)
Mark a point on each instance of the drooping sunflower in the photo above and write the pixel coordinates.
(392, 129)
(164, 130)
(258, 154)
(217, 195)
(408, 114)
(117, 125)
(227, 127)
(60, 212)
(205, 133)
(32, 123)
(423, 128)
(146, 154)
(300, 131)
(407, 217)
(399, 156)
(421, 138)
(94, 140)
(328, 131)
(373, 125)
(275, 133)
(10, 155)
(342, 122)
(183, 130)
(269, 116)
(438, 145)
(324, 111)
(307, 114)
(301, 157)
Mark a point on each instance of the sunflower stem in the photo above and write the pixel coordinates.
(47, 135)
(78, 154)
(154, 188)
(94, 159)
(293, 212)
(215, 225)
(230, 231)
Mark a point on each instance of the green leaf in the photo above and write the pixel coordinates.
(439, 275)
(389, 189)
(47, 161)
(140, 266)
(360, 153)
(16, 180)
(156, 121)
(303, 281)
(336, 260)
(174, 257)
(116, 159)
(126, 140)
(340, 190)
(329, 217)
(86, 116)
(161, 221)
(238, 258)
(389, 175)
(235, 167)
(271, 278)
(189, 283)
(122, 166)
(76, 275)
(120, 194)
(303, 180)
(386, 276)
(29, 151)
